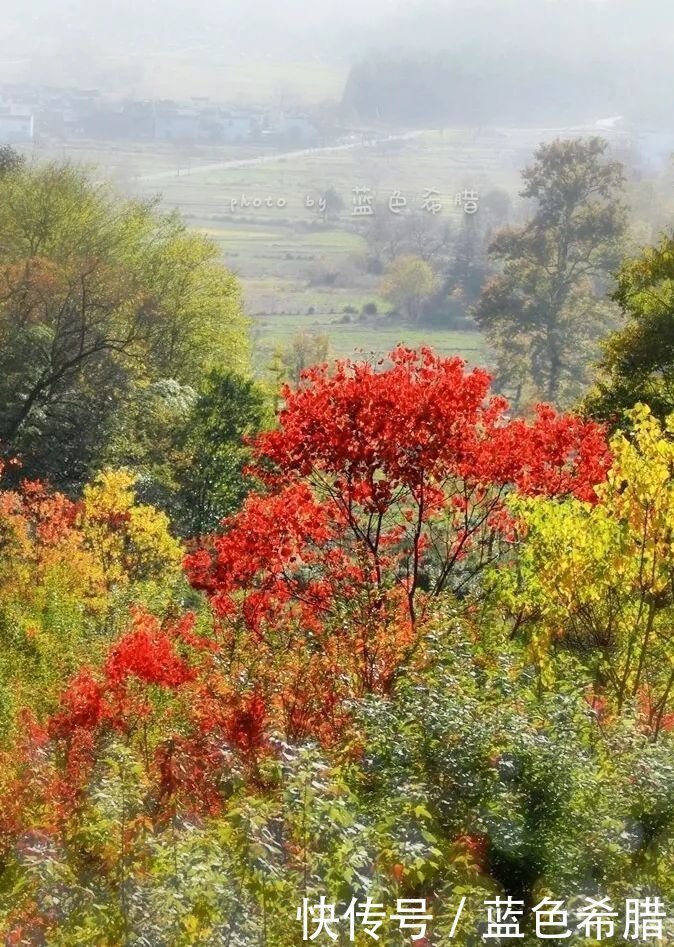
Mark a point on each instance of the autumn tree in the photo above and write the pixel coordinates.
(547, 303)
(597, 579)
(386, 488)
(98, 298)
(67, 573)
(429, 621)
(409, 282)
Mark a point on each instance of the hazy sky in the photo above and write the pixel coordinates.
(127, 45)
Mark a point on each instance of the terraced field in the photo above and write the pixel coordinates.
(282, 252)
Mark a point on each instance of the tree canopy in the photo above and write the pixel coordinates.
(637, 362)
(99, 298)
(544, 313)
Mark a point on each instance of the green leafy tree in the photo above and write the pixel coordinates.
(548, 299)
(148, 437)
(11, 160)
(469, 268)
(334, 204)
(189, 447)
(99, 298)
(212, 483)
(637, 363)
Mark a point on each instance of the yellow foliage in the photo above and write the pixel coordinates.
(598, 579)
(69, 571)
(131, 541)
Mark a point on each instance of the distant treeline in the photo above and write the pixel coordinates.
(458, 88)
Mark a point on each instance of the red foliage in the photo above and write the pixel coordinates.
(51, 514)
(555, 455)
(148, 654)
(373, 473)
(424, 419)
(217, 723)
(276, 538)
(246, 725)
(385, 486)
(83, 706)
(654, 713)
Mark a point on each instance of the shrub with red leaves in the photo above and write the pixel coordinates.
(385, 486)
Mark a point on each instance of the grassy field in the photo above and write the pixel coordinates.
(357, 340)
(447, 163)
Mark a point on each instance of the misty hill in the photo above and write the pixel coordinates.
(412, 61)
(529, 61)
(455, 89)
